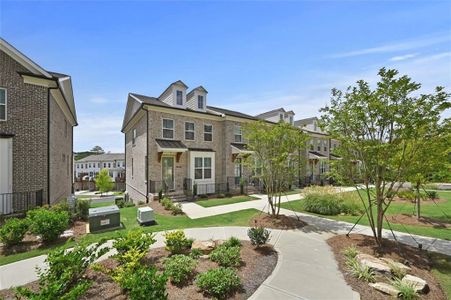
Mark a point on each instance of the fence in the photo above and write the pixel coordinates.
(11, 203)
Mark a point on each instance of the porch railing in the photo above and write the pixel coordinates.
(12, 203)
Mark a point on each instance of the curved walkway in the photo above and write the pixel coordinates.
(306, 268)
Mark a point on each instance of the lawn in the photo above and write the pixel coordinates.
(224, 201)
(128, 219)
(441, 268)
(428, 210)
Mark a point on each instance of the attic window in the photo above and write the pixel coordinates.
(200, 102)
(179, 98)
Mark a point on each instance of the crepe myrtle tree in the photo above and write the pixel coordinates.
(277, 154)
(380, 130)
(104, 182)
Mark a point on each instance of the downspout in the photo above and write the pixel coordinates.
(147, 156)
(48, 146)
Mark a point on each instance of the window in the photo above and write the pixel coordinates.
(202, 167)
(81, 166)
(168, 128)
(2, 104)
(200, 102)
(134, 137)
(104, 165)
(291, 120)
(322, 167)
(109, 165)
(189, 131)
(86, 166)
(98, 165)
(319, 145)
(237, 133)
(179, 98)
(208, 132)
(281, 117)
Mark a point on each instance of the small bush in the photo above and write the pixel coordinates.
(406, 194)
(432, 194)
(144, 283)
(167, 203)
(350, 252)
(228, 194)
(61, 206)
(134, 239)
(203, 196)
(220, 196)
(327, 204)
(122, 203)
(397, 271)
(47, 223)
(195, 253)
(179, 268)
(13, 231)
(258, 235)
(219, 282)
(406, 291)
(360, 271)
(82, 208)
(176, 242)
(232, 242)
(177, 209)
(226, 256)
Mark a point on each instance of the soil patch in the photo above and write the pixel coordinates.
(256, 266)
(423, 200)
(412, 220)
(31, 241)
(282, 222)
(415, 258)
(159, 209)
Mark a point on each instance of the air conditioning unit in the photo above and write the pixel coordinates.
(145, 216)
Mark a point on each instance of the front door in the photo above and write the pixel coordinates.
(238, 170)
(168, 172)
(6, 175)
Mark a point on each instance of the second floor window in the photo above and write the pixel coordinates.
(168, 128)
(189, 131)
(208, 133)
(2, 104)
(237, 133)
(281, 117)
(200, 102)
(134, 137)
(179, 98)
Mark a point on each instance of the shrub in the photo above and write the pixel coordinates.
(397, 271)
(47, 223)
(360, 271)
(406, 194)
(350, 252)
(61, 206)
(134, 239)
(82, 208)
(203, 196)
(258, 235)
(167, 203)
(218, 282)
(228, 194)
(64, 277)
(121, 203)
(103, 181)
(195, 253)
(232, 242)
(177, 209)
(226, 256)
(327, 204)
(179, 268)
(220, 196)
(160, 195)
(406, 290)
(13, 231)
(176, 242)
(432, 194)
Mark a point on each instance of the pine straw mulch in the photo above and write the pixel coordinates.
(257, 264)
(406, 219)
(159, 209)
(414, 258)
(281, 222)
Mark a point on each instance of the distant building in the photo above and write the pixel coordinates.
(90, 166)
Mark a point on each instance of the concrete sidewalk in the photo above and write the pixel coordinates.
(305, 263)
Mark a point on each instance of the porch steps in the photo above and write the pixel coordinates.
(178, 197)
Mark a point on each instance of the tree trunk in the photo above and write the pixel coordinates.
(380, 213)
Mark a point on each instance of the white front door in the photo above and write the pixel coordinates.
(6, 174)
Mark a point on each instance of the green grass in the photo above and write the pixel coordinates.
(427, 210)
(441, 268)
(101, 204)
(128, 219)
(224, 201)
(293, 192)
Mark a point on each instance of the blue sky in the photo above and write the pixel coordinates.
(250, 56)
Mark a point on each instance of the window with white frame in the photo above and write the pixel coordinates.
(202, 168)
(179, 97)
(189, 131)
(291, 120)
(168, 128)
(200, 102)
(134, 137)
(238, 136)
(3, 101)
(281, 117)
(322, 167)
(208, 132)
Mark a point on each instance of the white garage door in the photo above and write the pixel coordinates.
(6, 174)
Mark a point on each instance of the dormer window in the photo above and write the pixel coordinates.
(179, 99)
(200, 102)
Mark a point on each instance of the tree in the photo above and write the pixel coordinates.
(104, 182)
(380, 130)
(97, 150)
(275, 150)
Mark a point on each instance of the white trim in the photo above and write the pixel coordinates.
(59, 98)
(193, 131)
(6, 104)
(235, 150)
(162, 128)
(234, 134)
(171, 150)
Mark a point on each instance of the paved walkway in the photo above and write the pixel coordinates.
(305, 263)
(322, 226)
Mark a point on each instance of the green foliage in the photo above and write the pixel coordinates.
(64, 278)
(397, 271)
(219, 282)
(326, 201)
(232, 242)
(134, 239)
(406, 290)
(61, 206)
(145, 283)
(177, 209)
(179, 268)
(350, 252)
(195, 253)
(13, 231)
(226, 256)
(104, 182)
(49, 224)
(176, 242)
(82, 208)
(258, 235)
(167, 203)
(406, 194)
(121, 203)
(360, 271)
(160, 195)
(432, 194)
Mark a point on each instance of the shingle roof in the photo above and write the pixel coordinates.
(240, 146)
(304, 121)
(270, 112)
(171, 144)
(231, 112)
(317, 153)
(103, 157)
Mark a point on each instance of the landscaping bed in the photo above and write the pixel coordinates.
(418, 261)
(282, 222)
(413, 220)
(158, 208)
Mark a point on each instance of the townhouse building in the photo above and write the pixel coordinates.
(88, 167)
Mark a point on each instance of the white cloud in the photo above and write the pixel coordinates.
(403, 57)
(99, 100)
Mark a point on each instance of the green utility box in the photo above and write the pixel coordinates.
(104, 218)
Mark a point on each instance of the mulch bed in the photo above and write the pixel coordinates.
(159, 209)
(413, 220)
(256, 266)
(282, 222)
(31, 241)
(414, 258)
(423, 201)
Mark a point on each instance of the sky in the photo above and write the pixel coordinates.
(251, 56)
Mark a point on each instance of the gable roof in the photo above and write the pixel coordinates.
(178, 82)
(102, 157)
(232, 113)
(271, 112)
(199, 88)
(305, 121)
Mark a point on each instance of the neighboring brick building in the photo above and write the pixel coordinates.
(37, 116)
(91, 165)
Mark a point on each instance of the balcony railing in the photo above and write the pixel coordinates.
(19, 202)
